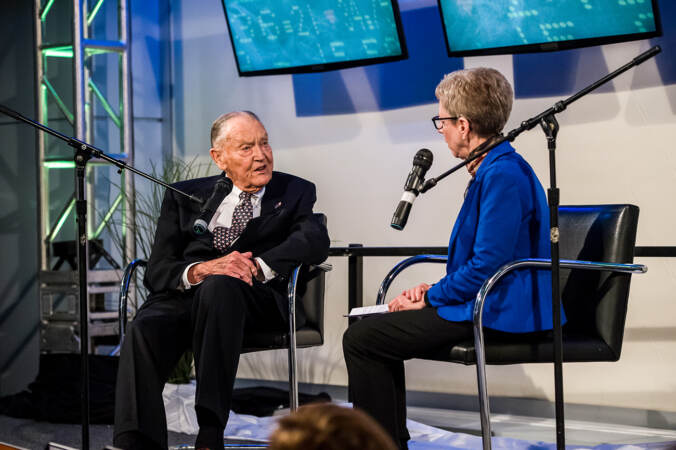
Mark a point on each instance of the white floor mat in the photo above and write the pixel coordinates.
(179, 402)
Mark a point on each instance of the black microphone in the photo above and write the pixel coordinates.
(422, 161)
(221, 189)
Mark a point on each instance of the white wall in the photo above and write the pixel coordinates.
(613, 147)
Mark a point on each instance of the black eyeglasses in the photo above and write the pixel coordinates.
(438, 121)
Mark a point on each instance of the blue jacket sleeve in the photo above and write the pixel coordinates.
(502, 210)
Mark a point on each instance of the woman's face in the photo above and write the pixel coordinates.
(455, 133)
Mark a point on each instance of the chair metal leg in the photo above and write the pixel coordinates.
(484, 406)
(293, 381)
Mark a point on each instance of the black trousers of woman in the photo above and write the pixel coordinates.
(375, 349)
(212, 322)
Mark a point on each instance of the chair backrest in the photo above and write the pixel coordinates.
(310, 292)
(595, 302)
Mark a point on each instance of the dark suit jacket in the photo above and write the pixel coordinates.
(284, 235)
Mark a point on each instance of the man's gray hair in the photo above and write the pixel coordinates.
(481, 95)
(218, 127)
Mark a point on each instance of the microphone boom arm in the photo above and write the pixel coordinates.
(534, 121)
(90, 150)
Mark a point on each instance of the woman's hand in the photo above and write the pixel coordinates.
(409, 299)
(416, 294)
(403, 303)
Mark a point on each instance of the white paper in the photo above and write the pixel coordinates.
(368, 310)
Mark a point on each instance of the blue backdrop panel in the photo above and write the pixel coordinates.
(394, 85)
(317, 94)
(559, 73)
(412, 82)
(666, 61)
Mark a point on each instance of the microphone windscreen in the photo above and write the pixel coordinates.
(224, 183)
(423, 158)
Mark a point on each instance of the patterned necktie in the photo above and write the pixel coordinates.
(224, 236)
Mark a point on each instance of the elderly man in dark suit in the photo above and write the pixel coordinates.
(207, 290)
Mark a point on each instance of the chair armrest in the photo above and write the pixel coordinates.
(124, 295)
(326, 267)
(490, 282)
(293, 282)
(538, 263)
(396, 270)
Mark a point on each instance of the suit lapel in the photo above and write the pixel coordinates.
(272, 204)
(273, 200)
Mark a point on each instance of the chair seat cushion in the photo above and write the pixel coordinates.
(305, 337)
(503, 348)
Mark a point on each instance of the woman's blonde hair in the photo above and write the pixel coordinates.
(481, 95)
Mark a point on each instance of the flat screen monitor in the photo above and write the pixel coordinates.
(299, 36)
(476, 27)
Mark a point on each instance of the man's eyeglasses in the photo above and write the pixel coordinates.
(438, 121)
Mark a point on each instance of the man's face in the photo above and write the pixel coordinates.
(245, 155)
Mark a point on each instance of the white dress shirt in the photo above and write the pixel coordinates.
(223, 218)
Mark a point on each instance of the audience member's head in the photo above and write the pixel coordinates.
(325, 426)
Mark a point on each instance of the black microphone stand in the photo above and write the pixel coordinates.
(83, 153)
(550, 126)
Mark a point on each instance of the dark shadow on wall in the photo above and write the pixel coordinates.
(666, 61)
(558, 73)
(19, 310)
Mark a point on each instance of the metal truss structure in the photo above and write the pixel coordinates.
(83, 78)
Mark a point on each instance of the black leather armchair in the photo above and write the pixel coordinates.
(594, 296)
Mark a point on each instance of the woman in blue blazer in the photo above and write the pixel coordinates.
(504, 217)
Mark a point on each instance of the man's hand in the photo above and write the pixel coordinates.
(235, 264)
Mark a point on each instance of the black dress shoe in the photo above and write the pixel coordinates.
(134, 440)
(209, 437)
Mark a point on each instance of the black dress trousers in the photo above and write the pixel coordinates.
(210, 319)
(375, 349)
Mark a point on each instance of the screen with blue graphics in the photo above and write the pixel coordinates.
(511, 26)
(294, 36)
